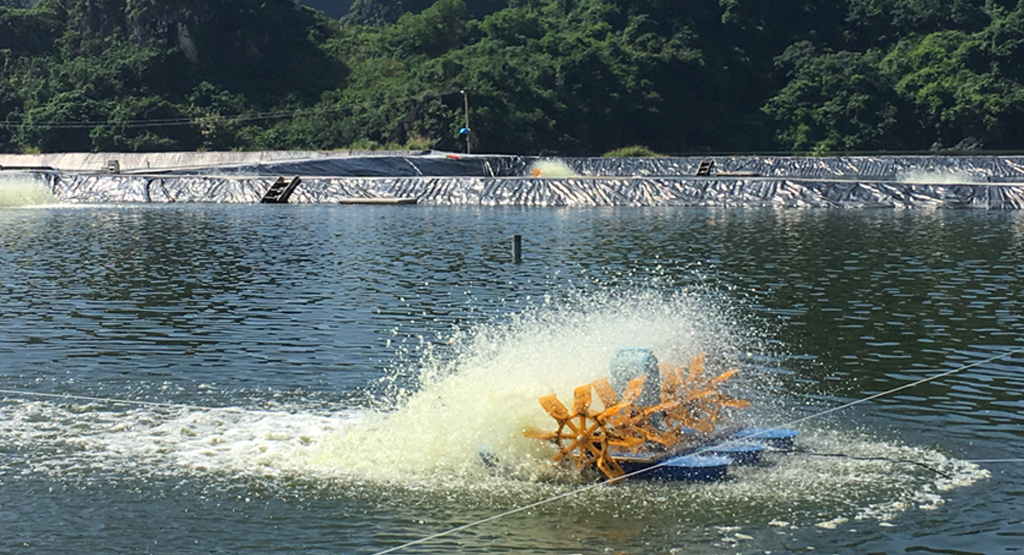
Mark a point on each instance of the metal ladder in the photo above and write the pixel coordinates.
(279, 192)
(705, 167)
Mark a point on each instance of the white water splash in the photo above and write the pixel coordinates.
(551, 169)
(18, 189)
(929, 177)
(482, 391)
(479, 391)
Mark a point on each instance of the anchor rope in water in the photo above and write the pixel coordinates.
(650, 468)
(877, 459)
(904, 386)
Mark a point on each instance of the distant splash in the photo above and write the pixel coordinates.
(551, 168)
(481, 390)
(932, 177)
(983, 182)
(18, 189)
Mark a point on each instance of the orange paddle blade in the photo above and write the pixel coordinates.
(696, 367)
(540, 434)
(604, 392)
(633, 390)
(554, 407)
(581, 399)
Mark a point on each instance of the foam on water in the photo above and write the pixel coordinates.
(874, 480)
(481, 389)
(17, 189)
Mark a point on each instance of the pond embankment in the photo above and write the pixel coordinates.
(989, 182)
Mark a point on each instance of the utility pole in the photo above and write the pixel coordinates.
(466, 130)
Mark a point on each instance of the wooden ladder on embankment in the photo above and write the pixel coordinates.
(280, 191)
(705, 167)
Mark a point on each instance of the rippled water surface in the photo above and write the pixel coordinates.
(357, 357)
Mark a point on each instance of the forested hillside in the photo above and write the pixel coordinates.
(567, 76)
(333, 8)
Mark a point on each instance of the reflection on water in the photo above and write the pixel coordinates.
(369, 350)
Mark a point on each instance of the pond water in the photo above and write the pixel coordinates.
(357, 357)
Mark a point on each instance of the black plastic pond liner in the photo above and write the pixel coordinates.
(453, 165)
(989, 182)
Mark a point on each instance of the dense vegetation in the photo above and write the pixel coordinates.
(568, 76)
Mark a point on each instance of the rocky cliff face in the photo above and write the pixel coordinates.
(239, 43)
(200, 29)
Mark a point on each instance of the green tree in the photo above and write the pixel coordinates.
(885, 21)
(957, 87)
(63, 123)
(145, 124)
(573, 76)
(374, 12)
(834, 101)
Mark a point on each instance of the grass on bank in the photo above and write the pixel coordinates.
(634, 151)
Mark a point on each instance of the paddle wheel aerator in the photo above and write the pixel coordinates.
(667, 420)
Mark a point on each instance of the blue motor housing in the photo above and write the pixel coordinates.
(630, 363)
(695, 468)
(740, 453)
(776, 438)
